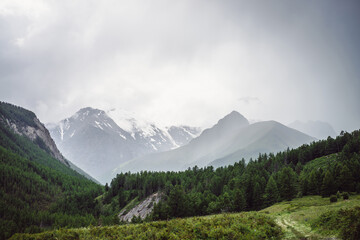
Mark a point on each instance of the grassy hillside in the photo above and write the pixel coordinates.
(301, 218)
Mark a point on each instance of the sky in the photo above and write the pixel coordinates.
(184, 62)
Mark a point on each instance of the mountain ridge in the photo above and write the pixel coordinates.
(92, 136)
(229, 140)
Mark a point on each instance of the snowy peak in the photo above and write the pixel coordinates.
(159, 138)
(92, 138)
(84, 118)
(183, 134)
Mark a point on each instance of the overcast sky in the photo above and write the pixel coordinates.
(184, 62)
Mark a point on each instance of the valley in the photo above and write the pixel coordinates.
(274, 195)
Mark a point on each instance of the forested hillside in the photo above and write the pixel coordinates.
(38, 191)
(322, 167)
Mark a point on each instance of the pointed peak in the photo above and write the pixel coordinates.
(89, 110)
(234, 117)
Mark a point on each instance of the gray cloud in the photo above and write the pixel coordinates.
(184, 62)
(248, 100)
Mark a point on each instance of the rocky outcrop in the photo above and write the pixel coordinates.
(142, 210)
(34, 133)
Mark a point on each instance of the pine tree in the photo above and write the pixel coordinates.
(271, 195)
(239, 200)
(345, 179)
(257, 196)
(122, 200)
(328, 185)
(287, 183)
(177, 202)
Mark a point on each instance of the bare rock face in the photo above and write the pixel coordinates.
(38, 131)
(142, 210)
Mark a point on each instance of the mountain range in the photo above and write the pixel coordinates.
(228, 141)
(104, 143)
(98, 141)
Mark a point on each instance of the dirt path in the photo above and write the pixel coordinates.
(292, 229)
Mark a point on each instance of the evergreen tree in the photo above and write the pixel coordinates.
(345, 179)
(226, 202)
(287, 183)
(257, 196)
(122, 198)
(271, 195)
(328, 185)
(177, 202)
(239, 200)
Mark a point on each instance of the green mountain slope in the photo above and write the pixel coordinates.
(37, 190)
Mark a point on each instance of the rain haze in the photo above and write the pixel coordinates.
(184, 62)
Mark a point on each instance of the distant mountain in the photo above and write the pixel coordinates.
(98, 141)
(318, 129)
(35, 178)
(230, 140)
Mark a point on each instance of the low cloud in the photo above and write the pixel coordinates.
(183, 62)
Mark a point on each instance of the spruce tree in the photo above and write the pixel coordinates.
(239, 200)
(328, 185)
(287, 183)
(271, 195)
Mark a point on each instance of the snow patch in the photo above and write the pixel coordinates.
(190, 133)
(122, 136)
(71, 135)
(98, 125)
(61, 131)
(154, 147)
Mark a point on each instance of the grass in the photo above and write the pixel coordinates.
(246, 225)
(296, 217)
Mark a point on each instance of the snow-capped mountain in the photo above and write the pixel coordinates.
(98, 141)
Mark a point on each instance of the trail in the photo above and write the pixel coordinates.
(293, 230)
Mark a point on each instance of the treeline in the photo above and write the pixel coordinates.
(262, 182)
(38, 192)
(17, 114)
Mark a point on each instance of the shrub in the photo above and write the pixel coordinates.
(345, 195)
(345, 222)
(338, 195)
(333, 198)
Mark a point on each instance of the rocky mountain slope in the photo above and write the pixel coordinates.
(29, 126)
(98, 141)
(141, 210)
(230, 140)
(25, 123)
